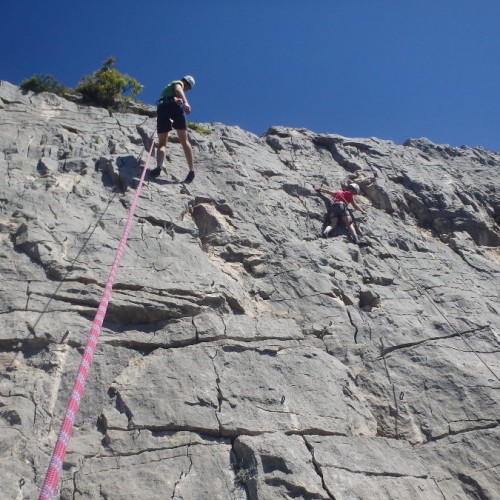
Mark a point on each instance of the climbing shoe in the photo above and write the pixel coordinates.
(326, 232)
(189, 177)
(356, 240)
(155, 172)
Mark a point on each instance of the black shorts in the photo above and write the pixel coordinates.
(338, 209)
(170, 115)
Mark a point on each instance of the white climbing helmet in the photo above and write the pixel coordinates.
(354, 187)
(190, 80)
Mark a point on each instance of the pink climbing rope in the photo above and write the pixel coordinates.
(51, 482)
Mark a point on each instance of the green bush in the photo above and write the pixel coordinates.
(42, 82)
(107, 87)
(198, 128)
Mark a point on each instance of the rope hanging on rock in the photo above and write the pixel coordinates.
(51, 481)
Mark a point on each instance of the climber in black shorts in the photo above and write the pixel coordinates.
(339, 210)
(171, 114)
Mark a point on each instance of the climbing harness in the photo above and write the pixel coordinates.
(51, 481)
(176, 100)
(338, 209)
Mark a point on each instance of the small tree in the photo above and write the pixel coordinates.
(42, 82)
(106, 87)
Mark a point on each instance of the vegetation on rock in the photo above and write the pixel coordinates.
(197, 127)
(42, 82)
(106, 87)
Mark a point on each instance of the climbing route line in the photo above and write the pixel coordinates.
(51, 481)
(440, 312)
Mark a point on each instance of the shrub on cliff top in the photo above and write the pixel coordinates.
(42, 82)
(107, 87)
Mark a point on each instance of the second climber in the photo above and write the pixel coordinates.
(339, 210)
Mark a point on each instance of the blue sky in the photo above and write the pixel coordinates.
(392, 69)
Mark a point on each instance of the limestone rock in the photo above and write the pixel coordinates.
(243, 356)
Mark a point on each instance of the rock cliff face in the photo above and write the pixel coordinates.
(243, 356)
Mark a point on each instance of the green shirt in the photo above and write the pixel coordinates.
(169, 90)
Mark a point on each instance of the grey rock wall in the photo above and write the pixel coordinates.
(242, 356)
